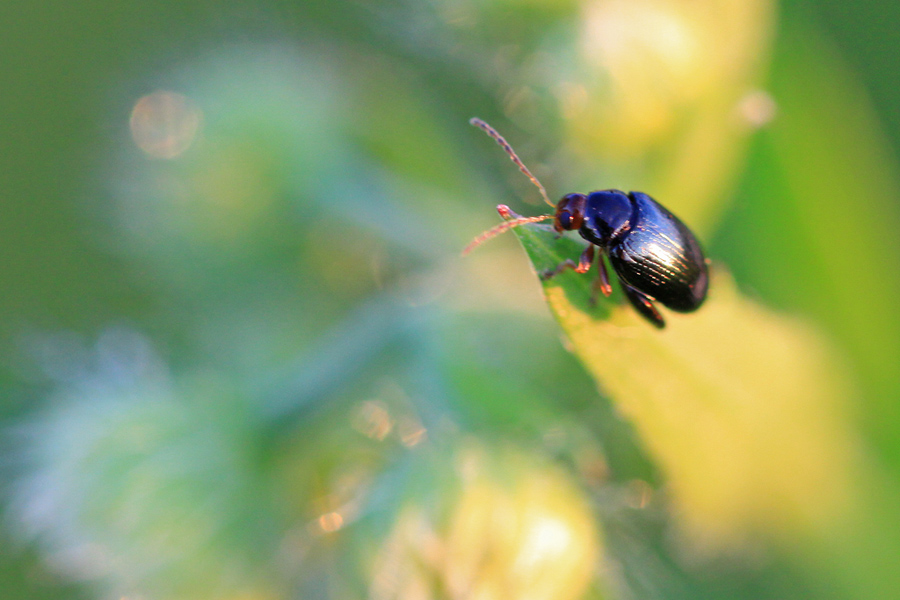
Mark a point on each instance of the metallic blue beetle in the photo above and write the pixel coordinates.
(654, 255)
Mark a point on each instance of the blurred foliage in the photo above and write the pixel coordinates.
(242, 358)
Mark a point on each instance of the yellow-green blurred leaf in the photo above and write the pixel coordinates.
(743, 409)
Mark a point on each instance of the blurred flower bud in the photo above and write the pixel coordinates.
(658, 92)
(518, 529)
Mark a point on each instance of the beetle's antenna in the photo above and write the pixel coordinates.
(512, 154)
(505, 226)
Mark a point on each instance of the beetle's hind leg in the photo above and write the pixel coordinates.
(583, 265)
(644, 305)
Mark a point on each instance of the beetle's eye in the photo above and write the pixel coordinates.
(565, 219)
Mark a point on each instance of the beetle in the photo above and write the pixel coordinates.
(655, 257)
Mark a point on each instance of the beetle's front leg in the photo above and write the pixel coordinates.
(583, 265)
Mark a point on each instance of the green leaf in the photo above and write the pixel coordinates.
(743, 409)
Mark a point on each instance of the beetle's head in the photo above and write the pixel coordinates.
(569, 212)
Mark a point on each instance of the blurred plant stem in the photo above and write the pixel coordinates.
(839, 190)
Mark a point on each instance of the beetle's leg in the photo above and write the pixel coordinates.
(583, 265)
(644, 305)
(601, 284)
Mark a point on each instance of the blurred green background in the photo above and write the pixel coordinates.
(243, 359)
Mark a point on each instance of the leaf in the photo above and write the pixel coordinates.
(821, 170)
(743, 409)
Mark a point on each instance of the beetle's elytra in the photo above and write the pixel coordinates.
(655, 257)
